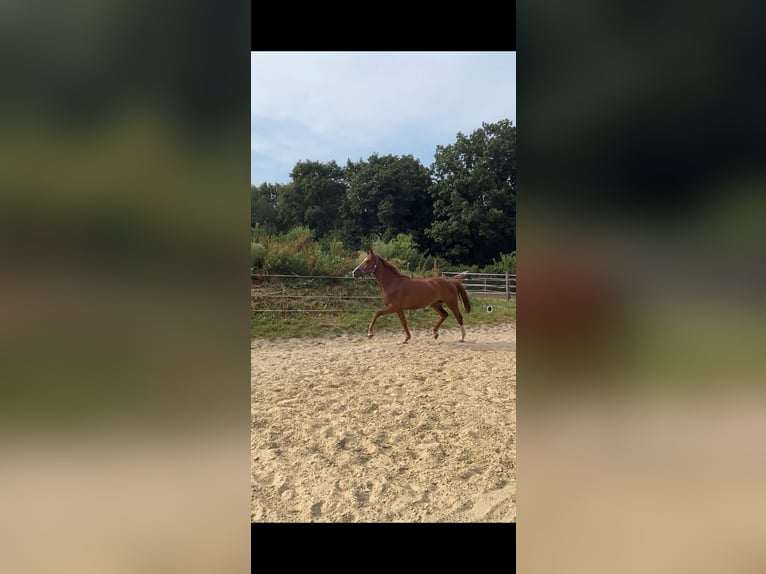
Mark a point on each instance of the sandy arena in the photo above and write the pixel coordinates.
(350, 429)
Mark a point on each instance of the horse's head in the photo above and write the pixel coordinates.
(366, 267)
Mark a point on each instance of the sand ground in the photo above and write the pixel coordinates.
(350, 429)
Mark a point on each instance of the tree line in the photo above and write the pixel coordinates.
(461, 208)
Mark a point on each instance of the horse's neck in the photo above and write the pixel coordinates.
(385, 277)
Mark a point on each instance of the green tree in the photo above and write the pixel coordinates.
(474, 195)
(263, 207)
(313, 198)
(386, 196)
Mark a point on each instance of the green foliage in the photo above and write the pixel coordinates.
(300, 236)
(284, 261)
(386, 195)
(263, 207)
(461, 210)
(506, 264)
(314, 197)
(298, 253)
(474, 194)
(402, 251)
(332, 244)
(257, 255)
(460, 268)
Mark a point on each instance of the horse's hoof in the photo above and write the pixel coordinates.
(436, 335)
(369, 335)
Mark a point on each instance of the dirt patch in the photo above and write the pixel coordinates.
(350, 429)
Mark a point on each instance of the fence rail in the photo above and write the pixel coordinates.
(324, 297)
(486, 285)
(311, 293)
(270, 276)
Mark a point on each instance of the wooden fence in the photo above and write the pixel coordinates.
(490, 285)
(319, 298)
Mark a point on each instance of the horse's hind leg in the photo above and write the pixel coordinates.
(385, 311)
(404, 324)
(456, 312)
(439, 308)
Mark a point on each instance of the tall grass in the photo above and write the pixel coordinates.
(298, 252)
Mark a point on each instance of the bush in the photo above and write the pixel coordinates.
(507, 264)
(298, 253)
(300, 237)
(257, 255)
(402, 251)
(281, 260)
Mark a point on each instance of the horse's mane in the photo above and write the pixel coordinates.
(391, 267)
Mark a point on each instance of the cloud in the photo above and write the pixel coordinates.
(323, 106)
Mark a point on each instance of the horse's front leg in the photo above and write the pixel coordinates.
(385, 311)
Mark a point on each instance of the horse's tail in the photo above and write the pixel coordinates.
(464, 296)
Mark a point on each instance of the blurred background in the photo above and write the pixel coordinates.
(641, 300)
(124, 364)
(124, 214)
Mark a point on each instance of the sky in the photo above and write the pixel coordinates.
(323, 106)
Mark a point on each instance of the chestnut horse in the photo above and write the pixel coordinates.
(401, 292)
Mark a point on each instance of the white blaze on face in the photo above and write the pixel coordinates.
(353, 273)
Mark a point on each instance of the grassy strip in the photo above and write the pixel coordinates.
(354, 316)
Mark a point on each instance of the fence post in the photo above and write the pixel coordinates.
(507, 286)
